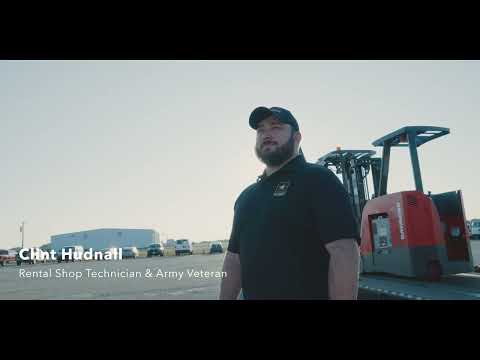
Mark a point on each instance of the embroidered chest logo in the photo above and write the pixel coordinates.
(281, 188)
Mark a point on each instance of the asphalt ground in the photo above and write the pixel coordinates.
(189, 277)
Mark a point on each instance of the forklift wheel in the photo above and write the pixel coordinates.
(434, 271)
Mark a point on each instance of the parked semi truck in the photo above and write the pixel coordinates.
(6, 256)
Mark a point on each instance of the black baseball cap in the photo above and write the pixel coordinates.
(262, 112)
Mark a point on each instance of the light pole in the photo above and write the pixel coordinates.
(22, 230)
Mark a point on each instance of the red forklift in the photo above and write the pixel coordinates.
(407, 234)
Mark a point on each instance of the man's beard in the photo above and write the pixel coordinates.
(278, 156)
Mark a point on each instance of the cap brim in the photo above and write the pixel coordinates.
(259, 114)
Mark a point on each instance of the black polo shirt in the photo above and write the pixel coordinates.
(280, 227)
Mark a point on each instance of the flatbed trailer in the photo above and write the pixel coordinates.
(387, 287)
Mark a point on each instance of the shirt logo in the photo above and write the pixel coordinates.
(281, 188)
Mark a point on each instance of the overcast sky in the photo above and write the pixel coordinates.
(166, 144)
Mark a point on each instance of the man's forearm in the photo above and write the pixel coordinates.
(231, 284)
(343, 269)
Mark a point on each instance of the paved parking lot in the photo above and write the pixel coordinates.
(195, 277)
(184, 277)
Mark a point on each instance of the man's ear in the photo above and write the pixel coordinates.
(297, 136)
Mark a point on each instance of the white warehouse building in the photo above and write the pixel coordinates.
(105, 238)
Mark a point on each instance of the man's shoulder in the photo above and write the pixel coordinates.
(320, 179)
(317, 172)
(245, 193)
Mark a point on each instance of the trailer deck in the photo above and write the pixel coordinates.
(464, 286)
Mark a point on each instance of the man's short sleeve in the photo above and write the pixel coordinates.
(333, 215)
(234, 243)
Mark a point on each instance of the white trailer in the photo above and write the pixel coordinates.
(475, 229)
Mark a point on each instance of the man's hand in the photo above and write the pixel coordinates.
(343, 269)
(231, 284)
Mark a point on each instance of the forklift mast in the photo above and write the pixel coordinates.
(354, 166)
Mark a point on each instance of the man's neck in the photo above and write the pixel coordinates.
(269, 170)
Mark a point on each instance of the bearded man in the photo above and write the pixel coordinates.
(294, 235)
